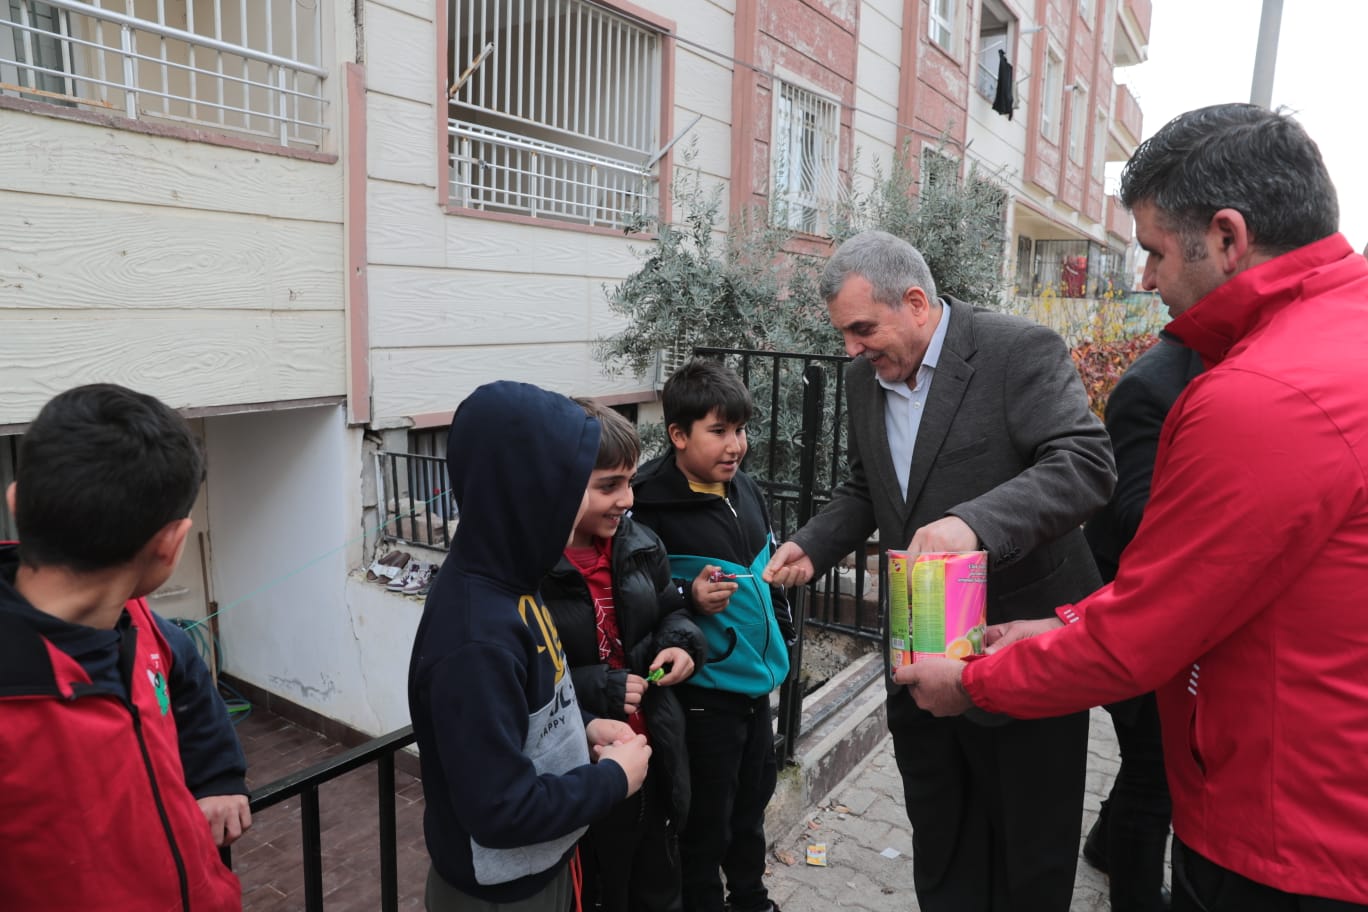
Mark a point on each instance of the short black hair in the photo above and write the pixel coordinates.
(619, 444)
(1258, 162)
(102, 470)
(699, 387)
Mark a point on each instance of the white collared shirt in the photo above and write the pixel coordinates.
(903, 406)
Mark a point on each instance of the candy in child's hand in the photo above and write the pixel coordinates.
(720, 575)
(656, 675)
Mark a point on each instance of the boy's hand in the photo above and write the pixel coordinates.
(711, 597)
(229, 817)
(635, 690)
(602, 732)
(680, 662)
(632, 755)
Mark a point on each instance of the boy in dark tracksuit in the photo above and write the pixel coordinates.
(713, 521)
(621, 618)
(506, 753)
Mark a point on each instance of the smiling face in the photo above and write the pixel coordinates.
(892, 339)
(1183, 270)
(711, 450)
(606, 500)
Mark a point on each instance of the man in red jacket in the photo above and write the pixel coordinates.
(1241, 597)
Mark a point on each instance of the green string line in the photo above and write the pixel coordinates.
(271, 584)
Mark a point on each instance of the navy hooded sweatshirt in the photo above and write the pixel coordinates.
(506, 774)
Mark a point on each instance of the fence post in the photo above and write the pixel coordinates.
(791, 694)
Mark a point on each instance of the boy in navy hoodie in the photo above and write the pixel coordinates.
(715, 525)
(505, 752)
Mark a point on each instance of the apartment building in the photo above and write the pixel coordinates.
(314, 227)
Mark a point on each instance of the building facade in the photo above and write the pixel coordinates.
(315, 228)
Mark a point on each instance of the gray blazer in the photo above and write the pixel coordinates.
(1006, 443)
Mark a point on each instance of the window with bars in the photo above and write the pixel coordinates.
(805, 158)
(9, 464)
(1024, 264)
(242, 66)
(941, 24)
(554, 111)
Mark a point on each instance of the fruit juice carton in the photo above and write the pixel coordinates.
(937, 604)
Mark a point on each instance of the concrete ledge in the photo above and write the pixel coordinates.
(835, 746)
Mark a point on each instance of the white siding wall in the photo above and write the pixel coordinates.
(878, 73)
(458, 300)
(204, 275)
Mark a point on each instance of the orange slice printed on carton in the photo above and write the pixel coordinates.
(958, 648)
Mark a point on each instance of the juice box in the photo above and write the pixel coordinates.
(937, 604)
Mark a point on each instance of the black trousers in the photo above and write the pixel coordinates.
(631, 857)
(732, 772)
(1136, 814)
(1201, 885)
(995, 811)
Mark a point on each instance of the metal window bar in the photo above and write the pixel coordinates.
(9, 469)
(1062, 267)
(806, 135)
(305, 784)
(416, 500)
(148, 68)
(567, 68)
(497, 171)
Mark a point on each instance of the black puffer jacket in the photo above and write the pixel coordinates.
(651, 616)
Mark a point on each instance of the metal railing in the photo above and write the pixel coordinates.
(498, 171)
(304, 785)
(415, 499)
(249, 66)
(807, 129)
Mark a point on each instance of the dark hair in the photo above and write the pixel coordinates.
(619, 444)
(102, 470)
(889, 263)
(699, 387)
(1258, 162)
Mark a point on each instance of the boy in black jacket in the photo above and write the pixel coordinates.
(504, 748)
(622, 618)
(713, 520)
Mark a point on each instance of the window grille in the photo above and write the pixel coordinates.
(415, 499)
(806, 131)
(1063, 267)
(9, 465)
(555, 111)
(1024, 264)
(243, 66)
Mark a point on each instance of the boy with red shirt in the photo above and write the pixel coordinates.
(621, 618)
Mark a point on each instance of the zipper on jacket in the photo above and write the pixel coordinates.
(127, 653)
(741, 536)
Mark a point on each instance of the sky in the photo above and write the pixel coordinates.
(1202, 52)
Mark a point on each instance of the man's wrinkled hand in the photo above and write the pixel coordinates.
(229, 817)
(790, 566)
(936, 684)
(949, 533)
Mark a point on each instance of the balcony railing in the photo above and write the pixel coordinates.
(1127, 116)
(305, 784)
(498, 171)
(244, 66)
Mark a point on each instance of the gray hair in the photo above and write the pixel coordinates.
(888, 263)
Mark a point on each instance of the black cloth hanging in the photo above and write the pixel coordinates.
(1004, 100)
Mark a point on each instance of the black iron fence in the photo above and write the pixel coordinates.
(415, 500)
(304, 785)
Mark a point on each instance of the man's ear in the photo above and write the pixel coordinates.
(1228, 238)
(916, 301)
(10, 496)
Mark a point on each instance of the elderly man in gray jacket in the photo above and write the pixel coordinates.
(969, 430)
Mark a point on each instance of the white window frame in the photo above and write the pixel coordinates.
(560, 119)
(942, 25)
(1052, 95)
(807, 124)
(1078, 122)
(250, 67)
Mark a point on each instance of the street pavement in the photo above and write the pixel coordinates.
(869, 842)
